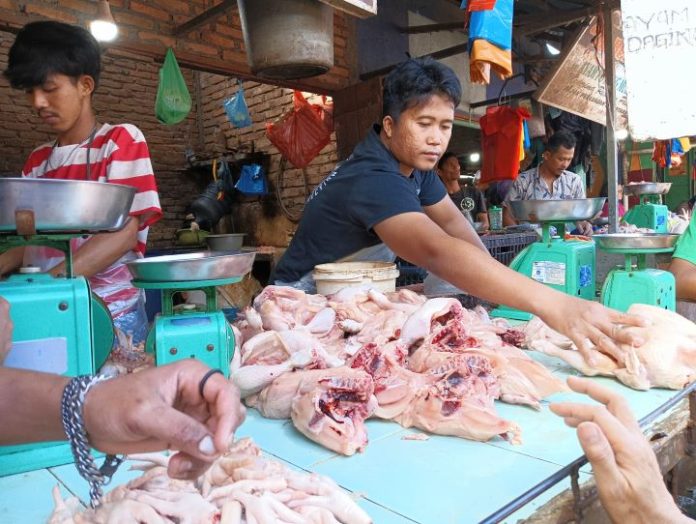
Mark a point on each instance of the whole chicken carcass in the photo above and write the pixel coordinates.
(333, 412)
(667, 358)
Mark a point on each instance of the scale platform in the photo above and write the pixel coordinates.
(565, 265)
(178, 333)
(634, 282)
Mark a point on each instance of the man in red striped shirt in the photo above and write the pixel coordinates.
(58, 66)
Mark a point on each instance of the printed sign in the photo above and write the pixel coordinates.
(660, 47)
(359, 8)
(549, 273)
(577, 83)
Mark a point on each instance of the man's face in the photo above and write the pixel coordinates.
(59, 100)
(420, 136)
(558, 161)
(450, 169)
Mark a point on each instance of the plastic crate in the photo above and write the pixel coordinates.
(409, 274)
(505, 246)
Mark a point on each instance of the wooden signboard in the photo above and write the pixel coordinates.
(359, 8)
(577, 82)
(660, 40)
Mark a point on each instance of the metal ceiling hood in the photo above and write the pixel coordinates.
(287, 39)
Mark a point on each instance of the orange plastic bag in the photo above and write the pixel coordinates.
(299, 134)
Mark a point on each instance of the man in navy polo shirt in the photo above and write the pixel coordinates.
(386, 199)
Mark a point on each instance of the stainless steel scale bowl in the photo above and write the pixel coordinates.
(62, 206)
(556, 210)
(647, 188)
(636, 241)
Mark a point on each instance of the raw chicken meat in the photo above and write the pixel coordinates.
(240, 487)
(333, 412)
(667, 359)
(460, 403)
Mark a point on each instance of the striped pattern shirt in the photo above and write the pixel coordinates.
(118, 155)
(530, 186)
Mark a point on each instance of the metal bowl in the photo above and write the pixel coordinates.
(65, 205)
(556, 210)
(231, 242)
(647, 188)
(636, 241)
(204, 265)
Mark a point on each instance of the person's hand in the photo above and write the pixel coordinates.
(625, 468)
(585, 228)
(161, 408)
(594, 327)
(6, 328)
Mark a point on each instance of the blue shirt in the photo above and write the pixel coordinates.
(340, 214)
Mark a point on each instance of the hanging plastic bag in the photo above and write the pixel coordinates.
(252, 180)
(236, 109)
(299, 134)
(173, 102)
(324, 111)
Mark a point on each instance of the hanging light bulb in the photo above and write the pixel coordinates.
(552, 49)
(474, 157)
(621, 134)
(103, 27)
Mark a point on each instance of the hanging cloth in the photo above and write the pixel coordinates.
(502, 137)
(490, 42)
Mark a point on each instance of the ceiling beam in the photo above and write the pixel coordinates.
(537, 23)
(204, 17)
(431, 28)
(442, 53)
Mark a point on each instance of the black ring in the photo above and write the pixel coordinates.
(205, 378)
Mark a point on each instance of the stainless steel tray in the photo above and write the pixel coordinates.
(636, 240)
(556, 210)
(647, 188)
(204, 265)
(65, 205)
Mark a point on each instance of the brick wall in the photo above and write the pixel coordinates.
(147, 28)
(261, 217)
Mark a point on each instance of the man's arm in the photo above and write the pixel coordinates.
(11, 260)
(102, 250)
(416, 238)
(685, 275)
(446, 215)
(508, 218)
(156, 409)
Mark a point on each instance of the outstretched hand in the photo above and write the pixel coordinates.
(625, 468)
(162, 408)
(594, 327)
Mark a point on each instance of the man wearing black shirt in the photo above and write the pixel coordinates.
(387, 192)
(468, 199)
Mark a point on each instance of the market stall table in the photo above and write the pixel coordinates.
(437, 481)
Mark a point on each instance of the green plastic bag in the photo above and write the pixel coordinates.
(173, 100)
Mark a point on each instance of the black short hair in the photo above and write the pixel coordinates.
(416, 80)
(560, 139)
(45, 48)
(444, 158)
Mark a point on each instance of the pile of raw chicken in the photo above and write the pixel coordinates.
(240, 487)
(330, 363)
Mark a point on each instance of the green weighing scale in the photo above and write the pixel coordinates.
(635, 283)
(200, 332)
(60, 326)
(651, 213)
(565, 265)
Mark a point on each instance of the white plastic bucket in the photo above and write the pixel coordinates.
(331, 278)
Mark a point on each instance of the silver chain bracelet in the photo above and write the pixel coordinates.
(71, 409)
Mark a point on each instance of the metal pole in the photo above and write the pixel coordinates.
(610, 86)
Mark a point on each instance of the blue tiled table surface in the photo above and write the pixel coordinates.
(441, 480)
